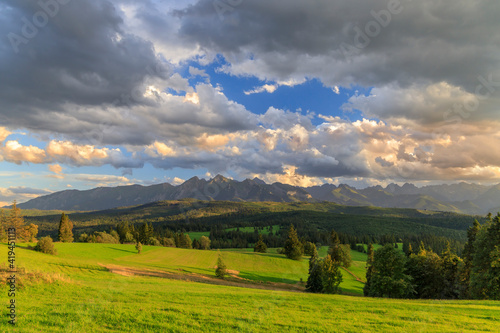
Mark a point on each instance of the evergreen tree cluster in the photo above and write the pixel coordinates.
(425, 274)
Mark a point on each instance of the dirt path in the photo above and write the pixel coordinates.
(233, 280)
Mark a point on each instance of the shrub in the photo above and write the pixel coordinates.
(45, 245)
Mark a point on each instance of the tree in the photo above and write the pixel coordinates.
(426, 270)
(485, 273)
(340, 253)
(3, 226)
(389, 278)
(32, 232)
(452, 266)
(221, 270)
(314, 281)
(334, 250)
(45, 245)
(16, 220)
(65, 229)
(331, 276)
(260, 246)
(309, 248)
(468, 256)
(369, 270)
(293, 247)
(204, 243)
(138, 247)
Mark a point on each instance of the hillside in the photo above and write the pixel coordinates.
(75, 292)
(195, 215)
(459, 198)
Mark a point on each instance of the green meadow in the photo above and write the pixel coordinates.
(74, 292)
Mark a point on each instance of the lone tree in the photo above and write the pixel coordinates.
(138, 247)
(65, 229)
(260, 246)
(221, 270)
(293, 247)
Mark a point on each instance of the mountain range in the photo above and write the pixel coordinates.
(464, 198)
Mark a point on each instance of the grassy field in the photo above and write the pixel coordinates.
(73, 292)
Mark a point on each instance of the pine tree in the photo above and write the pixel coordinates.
(221, 270)
(293, 247)
(451, 274)
(485, 273)
(331, 276)
(16, 220)
(369, 270)
(3, 227)
(138, 247)
(468, 255)
(260, 246)
(65, 229)
(314, 281)
(334, 250)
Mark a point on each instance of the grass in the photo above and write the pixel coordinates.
(88, 298)
(197, 234)
(264, 231)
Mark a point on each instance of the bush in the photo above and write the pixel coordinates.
(45, 245)
(221, 270)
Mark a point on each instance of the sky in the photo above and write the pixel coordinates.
(116, 92)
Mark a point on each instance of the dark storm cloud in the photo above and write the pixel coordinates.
(82, 56)
(423, 41)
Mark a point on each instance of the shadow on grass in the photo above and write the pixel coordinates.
(256, 277)
(89, 267)
(122, 250)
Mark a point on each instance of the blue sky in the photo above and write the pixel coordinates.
(113, 92)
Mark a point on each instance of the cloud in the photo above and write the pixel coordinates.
(20, 194)
(4, 134)
(56, 168)
(14, 152)
(421, 42)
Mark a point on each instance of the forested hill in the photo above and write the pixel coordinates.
(460, 198)
(195, 215)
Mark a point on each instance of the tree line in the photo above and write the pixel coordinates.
(423, 273)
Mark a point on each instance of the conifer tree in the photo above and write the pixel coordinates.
(369, 270)
(468, 255)
(485, 273)
(293, 247)
(314, 281)
(221, 270)
(334, 250)
(65, 234)
(260, 246)
(16, 220)
(3, 226)
(138, 247)
(331, 276)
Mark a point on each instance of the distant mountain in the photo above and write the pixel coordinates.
(460, 198)
(218, 188)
